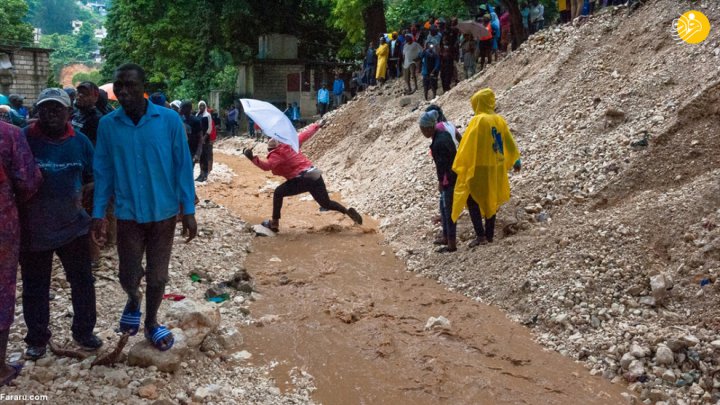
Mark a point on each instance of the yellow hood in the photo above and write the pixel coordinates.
(483, 102)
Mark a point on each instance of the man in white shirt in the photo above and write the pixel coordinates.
(411, 52)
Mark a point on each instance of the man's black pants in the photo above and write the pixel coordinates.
(489, 230)
(36, 270)
(206, 157)
(299, 185)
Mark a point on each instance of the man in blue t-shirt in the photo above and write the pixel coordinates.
(323, 99)
(54, 222)
(338, 91)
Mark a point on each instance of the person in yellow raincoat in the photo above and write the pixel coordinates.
(383, 52)
(486, 153)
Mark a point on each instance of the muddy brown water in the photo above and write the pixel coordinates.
(349, 314)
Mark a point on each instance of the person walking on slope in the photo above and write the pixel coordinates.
(443, 153)
(486, 152)
(411, 52)
(485, 43)
(469, 56)
(301, 175)
(369, 66)
(430, 70)
(383, 52)
(143, 159)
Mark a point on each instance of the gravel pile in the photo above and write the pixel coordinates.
(211, 363)
(610, 247)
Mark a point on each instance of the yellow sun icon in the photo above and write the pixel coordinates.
(692, 27)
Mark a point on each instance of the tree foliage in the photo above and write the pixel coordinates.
(53, 16)
(401, 13)
(92, 76)
(12, 27)
(186, 47)
(70, 49)
(362, 21)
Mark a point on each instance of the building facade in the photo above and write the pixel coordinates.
(24, 71)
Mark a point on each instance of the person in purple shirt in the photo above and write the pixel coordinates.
(20, 178)
(143, 160)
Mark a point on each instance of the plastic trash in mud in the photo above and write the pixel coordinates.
(217, 294)
(199, 276)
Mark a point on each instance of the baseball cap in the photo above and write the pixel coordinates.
(54, 94)
(176, 103)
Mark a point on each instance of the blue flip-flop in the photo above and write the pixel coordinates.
(17, 367)
(157, 334)
(130, 322)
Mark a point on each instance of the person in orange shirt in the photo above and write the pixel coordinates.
(485, 43)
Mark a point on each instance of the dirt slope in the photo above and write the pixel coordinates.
(594, 213)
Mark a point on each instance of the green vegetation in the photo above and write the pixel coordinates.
(189, 48)
(402, 13)
(70, 48)
(192, 47)
(93, 76)
(12, 27)
(53, 16)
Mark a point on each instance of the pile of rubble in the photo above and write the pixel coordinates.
(609, 247)
(207, 364)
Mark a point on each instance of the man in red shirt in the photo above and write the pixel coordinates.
(301, 175)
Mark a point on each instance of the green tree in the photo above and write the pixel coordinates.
(188, 47)
(401, 13)
(85, 39)
(53, 16)
(361, 20)
(92, 76)
(65, 51)
(12, 27)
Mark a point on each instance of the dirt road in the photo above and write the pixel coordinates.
(341, 307)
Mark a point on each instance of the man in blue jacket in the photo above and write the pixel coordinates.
(142, 158)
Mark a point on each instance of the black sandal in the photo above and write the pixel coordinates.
(268, 224)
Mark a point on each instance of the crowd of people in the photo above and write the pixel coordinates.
(434, 49)
(75, 175)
